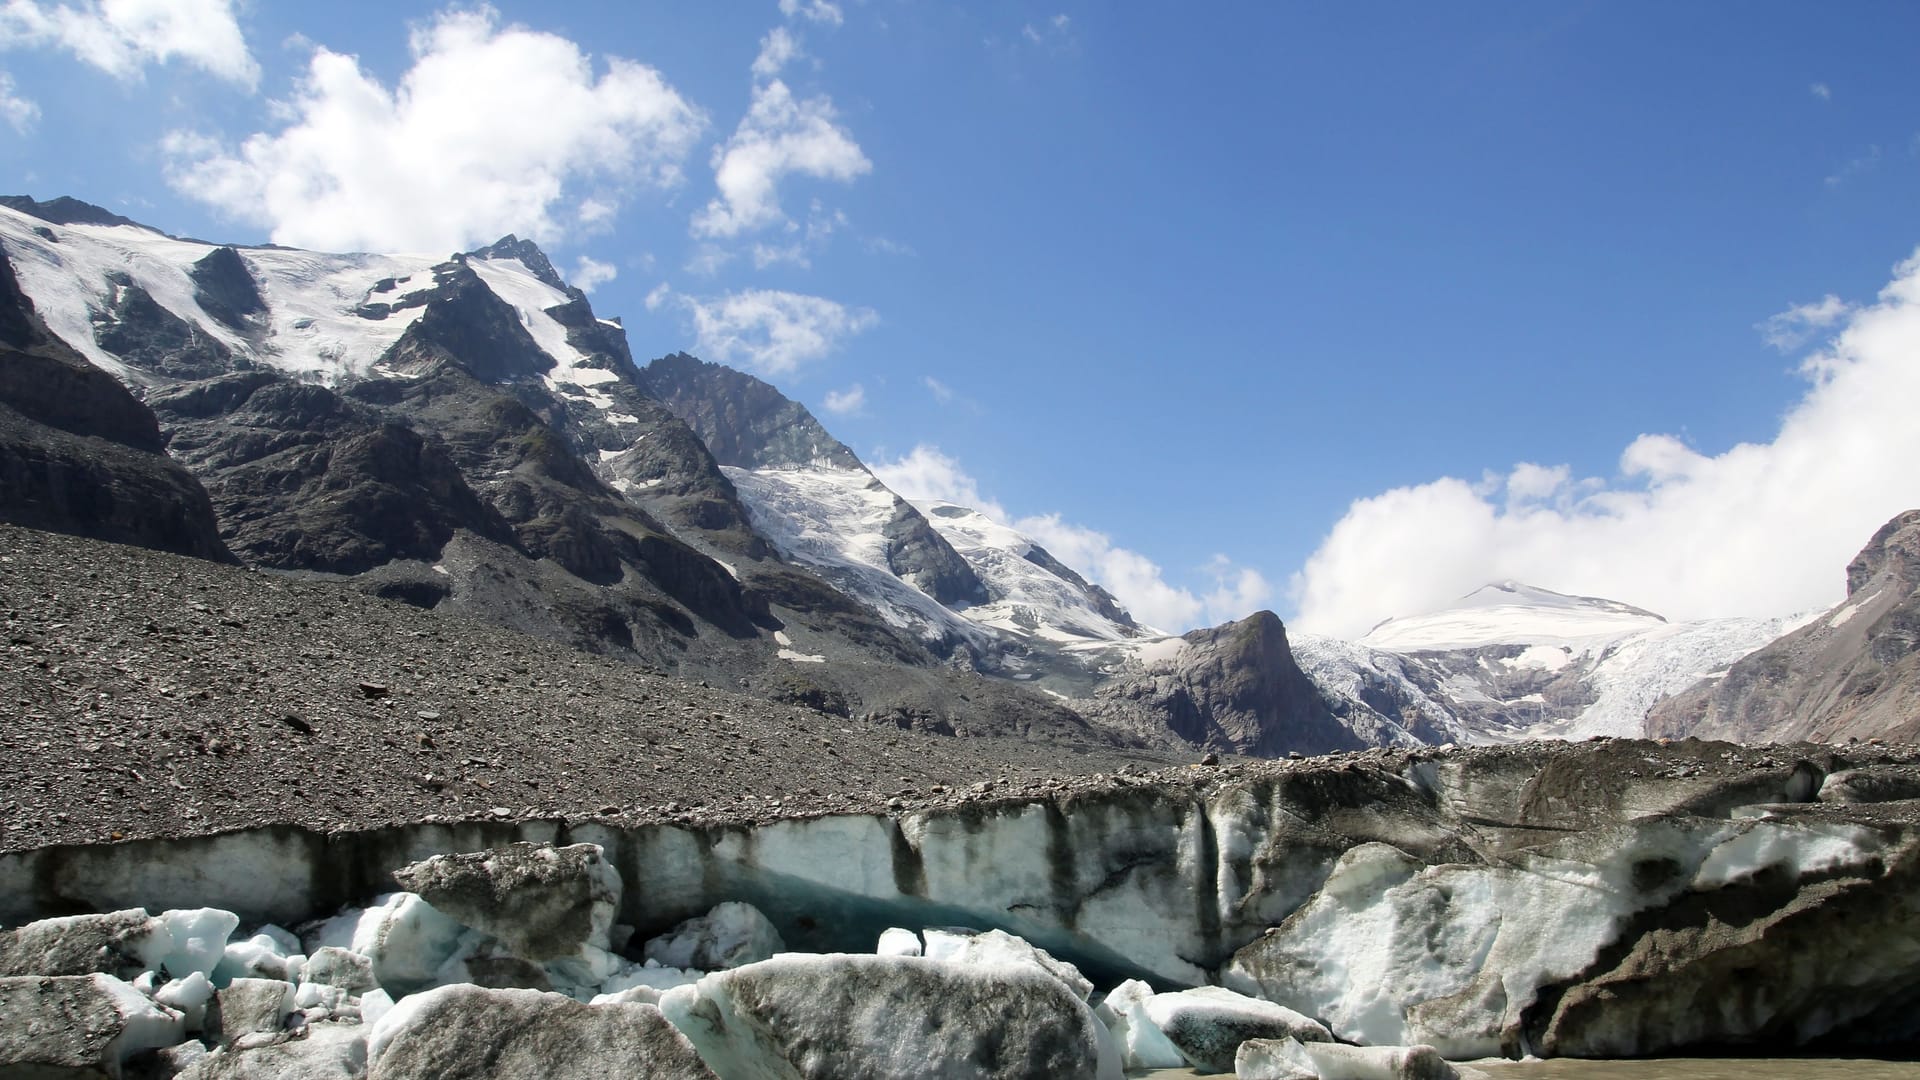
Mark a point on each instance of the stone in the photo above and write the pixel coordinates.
(469, 1033)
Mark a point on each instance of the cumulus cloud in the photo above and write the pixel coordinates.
(782, 135)
(20, 113)
(845, 402)
(590, 273)
(492, 130)
(1762, 529)
(121, 37)
(779, 48)
(768, 331)
(1793, 327)
(1821, 90)
(819, 11)
(926, 475)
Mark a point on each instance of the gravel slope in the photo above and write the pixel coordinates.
(157, 695)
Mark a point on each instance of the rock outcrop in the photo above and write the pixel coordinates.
(1854, 672)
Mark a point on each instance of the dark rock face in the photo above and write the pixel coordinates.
(305, 479)
(466, 323)
(64, 210)
(1233, 687)
(225, 289)
(80, 454)
(141, 332)
(746, 423)
(1851, 673)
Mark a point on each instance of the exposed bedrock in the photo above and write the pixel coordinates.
(1606, 899)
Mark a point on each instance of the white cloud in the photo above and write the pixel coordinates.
(490, 131)
(802, 243)
(1821, 90)
(780, 136)
(820, 11)
(1761, 529)
(590, 273)
(120, 37)
(19, 113)
(926, 474)
(1858, 165)
(1052, 34)
(658, 296)
(1792, 328)
(941, 391)
(777, 50)
(845, 402)
(768, 331)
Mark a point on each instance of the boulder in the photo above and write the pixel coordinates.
(862, 1017)
(462, 1032)
(117, 944)
(1207, 1024)
(732, 935)
(79, 1025)
(543, 902)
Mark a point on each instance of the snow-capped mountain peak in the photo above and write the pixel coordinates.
(1510, 613)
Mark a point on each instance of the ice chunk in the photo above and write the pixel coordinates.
(374, 1004)
(188, 997)
(1142, 1044)
(966, 946)
(121, 944)
(897, 942)
(1208, 1023)
(1290, 1059)
(78, 1025)
(469, 1031)
(829, 1017)
(405, 938)
(544, 902)
(251, 1006)
(199, 940)
(729, 936)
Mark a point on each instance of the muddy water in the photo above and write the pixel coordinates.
(1702, 1069)
(1671, 1069)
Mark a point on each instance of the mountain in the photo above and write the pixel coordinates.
(80, 454)
(1850, 673)
(1512, 661)
(461, 433)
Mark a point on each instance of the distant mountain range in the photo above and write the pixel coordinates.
(466, 434)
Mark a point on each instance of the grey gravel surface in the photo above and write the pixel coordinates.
(149, 695)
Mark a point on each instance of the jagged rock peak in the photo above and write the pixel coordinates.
(1895, 547)
(744, 421)
(529, 254)
(65, 210)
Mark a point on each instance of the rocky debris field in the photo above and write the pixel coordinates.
(153, 695)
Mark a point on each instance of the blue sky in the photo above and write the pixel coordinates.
(1336, 309)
